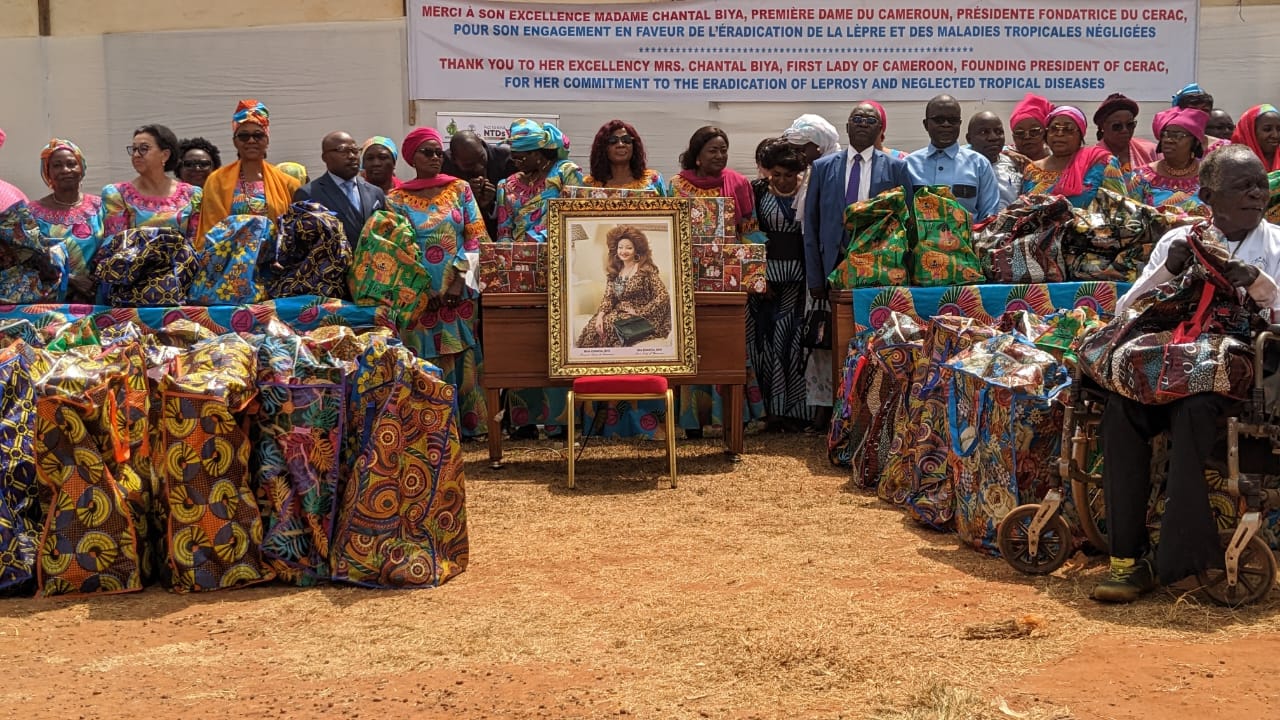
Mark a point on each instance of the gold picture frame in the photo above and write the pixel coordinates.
(605, 309)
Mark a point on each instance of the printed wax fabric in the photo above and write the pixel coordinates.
(1005, 423)
(385, 268)
(215, 529)
(91, 431)
(1112, 239)
(872, 306)
(1023, 243)
(145, 267)
(878, 240)
(20, 520)
(916, 475)
(226, 269)
(942, 246)
(297, 437)
(1190, 335)
(309, 255)
(402, 518)
(30, 272)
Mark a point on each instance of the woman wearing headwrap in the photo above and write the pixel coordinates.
(1071, 170)
(541, 156)
(705, 175)
(1193, 97)
(884, 126)
(1259, 129)
(448, 225)
(250, 185)
(378, 158)
(297, 171)
(1027, 125)
(152, 199)
(67, 215)
(1174, 180)
(1116, 119)
(540, 153)
(618, 160)
(816, 138)
(9, 194)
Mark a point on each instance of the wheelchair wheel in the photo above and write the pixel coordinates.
(1089, 503)
(1255, 578)
(1012, 539)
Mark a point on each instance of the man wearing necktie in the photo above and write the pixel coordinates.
(944, 162)
(341, 189)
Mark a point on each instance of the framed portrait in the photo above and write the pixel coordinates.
(620, 287)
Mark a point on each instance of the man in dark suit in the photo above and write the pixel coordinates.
(838, 180)
(483, 166)
(342, 190)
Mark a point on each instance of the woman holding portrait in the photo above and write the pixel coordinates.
(633, 290)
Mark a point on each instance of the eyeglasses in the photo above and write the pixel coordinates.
(620, 139)
(1063, 129)
(251, 137)
(1122, 126)
(1175, 135)
(1029, 133)
(347, 150)
(198, 164)
(953, 120)
(138, 150)
(863, 121)
(430, 153)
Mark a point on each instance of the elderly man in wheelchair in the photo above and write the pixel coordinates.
(1233, 183)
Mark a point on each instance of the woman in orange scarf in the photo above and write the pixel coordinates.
(250, 185)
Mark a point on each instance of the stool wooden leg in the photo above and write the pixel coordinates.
(569, 434)
(671, 435)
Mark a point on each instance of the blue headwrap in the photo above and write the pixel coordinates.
(1192, 89)
(386, 142)
(527, 136)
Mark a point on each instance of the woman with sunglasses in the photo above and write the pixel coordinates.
(152, 199)
(1027, 123)
(618, 160)
(1116, 119)
(448, 225)
(67, 216)
(1071, 169)
(1173, 181)
(197, 158)
(250, 185)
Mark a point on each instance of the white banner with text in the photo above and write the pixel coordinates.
(768, 50)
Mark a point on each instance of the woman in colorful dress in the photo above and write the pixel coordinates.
(378, 158)
(541, 156)
(67, 216)
(250, 185)
(1071, 169)
(704, 175)
(448, 225)
(1027, 124)
(197, 158)
(1116, 119)
(152, 199)
(618, 160)
(775, 319)
(1259, 129)
(1173, 181)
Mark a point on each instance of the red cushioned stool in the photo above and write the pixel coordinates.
(623, 387)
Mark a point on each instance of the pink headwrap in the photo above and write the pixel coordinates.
(1189, 119)
(884, 119)
(1071, 182)
(414, 142)
(1034, 107)
(1, 137)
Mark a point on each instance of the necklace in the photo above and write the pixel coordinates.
(59, 203)
(1190, 169)
(778, 193)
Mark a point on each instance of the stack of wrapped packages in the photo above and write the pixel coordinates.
(202, 461)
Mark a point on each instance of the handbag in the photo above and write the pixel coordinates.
(1023, 244)
(942, 249)
(815, 334)
(632, 329)
(1188, 336)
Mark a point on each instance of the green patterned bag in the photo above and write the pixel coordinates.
(942, 254)
(877, 243)
(386, 268)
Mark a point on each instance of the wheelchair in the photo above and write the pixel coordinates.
(1037, 539)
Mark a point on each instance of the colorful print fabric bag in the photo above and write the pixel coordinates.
(386, 268)
(1023, 243)
(227, 268)
(1113, 239)
(145, 267)
(29, 271)
(19, 501)
(878, 241)
(942, 253)
(310, 255)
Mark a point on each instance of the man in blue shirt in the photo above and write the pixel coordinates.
(969, 175)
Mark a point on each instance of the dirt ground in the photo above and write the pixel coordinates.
(764, 589)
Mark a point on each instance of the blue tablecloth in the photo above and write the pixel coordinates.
(871, 306)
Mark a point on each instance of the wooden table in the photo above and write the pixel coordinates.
(515, 354)
(842, 331)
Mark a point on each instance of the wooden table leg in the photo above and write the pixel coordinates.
(492, 401)
(733, 417)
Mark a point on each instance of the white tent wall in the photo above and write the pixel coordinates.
(319, 77)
